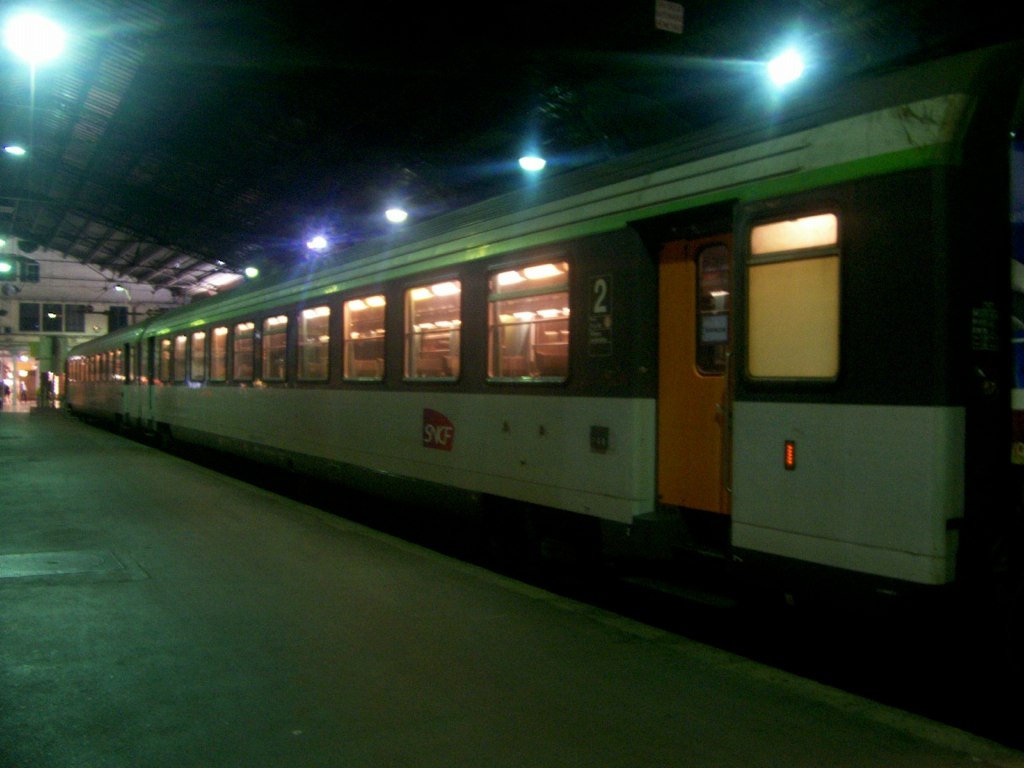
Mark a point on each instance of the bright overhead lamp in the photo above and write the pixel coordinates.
(396, 215)
(317, 243)
(785, 68)
(532, 163)
(14, 149)
(34, 38)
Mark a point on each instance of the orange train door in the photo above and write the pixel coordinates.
(695, 290)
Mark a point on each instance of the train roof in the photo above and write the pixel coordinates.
(613, 194)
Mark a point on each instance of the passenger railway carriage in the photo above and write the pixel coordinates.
(789, 341)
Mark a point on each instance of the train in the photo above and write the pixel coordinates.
(792, 343)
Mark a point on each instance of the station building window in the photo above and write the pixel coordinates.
(198, 356)
(117, 318)
(74, 318)
(275, 348)
(53, 318)
(29, 270)
(314, 340)
(793, 299)
(364, 338)
(180, 357)
(529, 323)
(243, 352)
(219, 354)
(433, 323)
(28, 317)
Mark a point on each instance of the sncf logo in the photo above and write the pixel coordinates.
(438, 431)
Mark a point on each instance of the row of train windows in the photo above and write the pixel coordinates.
(793, 285)
(528, 337)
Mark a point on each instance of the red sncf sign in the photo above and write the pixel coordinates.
(438, 431)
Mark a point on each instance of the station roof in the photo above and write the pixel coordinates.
(175, 140)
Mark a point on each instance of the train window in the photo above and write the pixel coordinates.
(165, 360)
(713, 304)
(243, 352)
(314, 338)
(180, 357)
(433, 322)
(529, 323)
(219, 354)
(137, 371)
(364, 338)
(198, 356)
(146, 360)
(275, 348)
(793, 299)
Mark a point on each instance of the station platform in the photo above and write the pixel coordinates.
(156, 613)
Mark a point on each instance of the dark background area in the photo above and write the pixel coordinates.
(174, 140)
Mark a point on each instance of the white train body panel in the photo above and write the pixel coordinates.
(534, 449)
(872, 490)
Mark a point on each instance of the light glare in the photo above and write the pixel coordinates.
(34, 38)
(396, 215)
(317, 243)
(786, 67)
(532, 163)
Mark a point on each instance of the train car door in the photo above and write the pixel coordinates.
(695, 291)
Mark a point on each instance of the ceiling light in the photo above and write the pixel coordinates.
(396, 215)
(317, 243)
(34, 38)
(14, 149)
(532, 163)
(786, 67)
(445, 289)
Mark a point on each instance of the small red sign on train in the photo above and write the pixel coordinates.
(438, 430)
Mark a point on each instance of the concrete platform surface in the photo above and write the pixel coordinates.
(154, 613)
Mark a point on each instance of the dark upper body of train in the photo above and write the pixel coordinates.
(789, 341)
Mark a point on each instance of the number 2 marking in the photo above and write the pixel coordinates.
(600, 291)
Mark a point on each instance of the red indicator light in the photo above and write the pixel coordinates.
(789, 455)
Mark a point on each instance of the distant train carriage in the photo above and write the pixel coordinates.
(787, 342)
